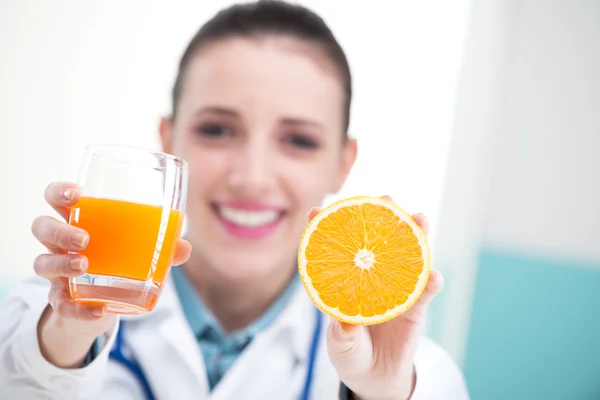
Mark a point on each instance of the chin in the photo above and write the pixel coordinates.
(244, 265)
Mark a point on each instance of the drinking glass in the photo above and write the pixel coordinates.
(132, 206)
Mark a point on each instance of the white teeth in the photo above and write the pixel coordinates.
(248, 218)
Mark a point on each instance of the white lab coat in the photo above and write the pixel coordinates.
(273, 366)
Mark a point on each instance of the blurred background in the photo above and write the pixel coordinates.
(484, 114)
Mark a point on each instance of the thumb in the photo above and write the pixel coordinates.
(342, 338)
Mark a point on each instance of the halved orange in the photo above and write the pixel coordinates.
(364, 260)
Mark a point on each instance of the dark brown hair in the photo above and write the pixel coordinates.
(269, 17)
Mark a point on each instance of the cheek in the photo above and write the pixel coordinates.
(205, 168)
(309, 180)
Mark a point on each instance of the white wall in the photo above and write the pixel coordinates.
(468, 173)
(545, 196)
(75, 72)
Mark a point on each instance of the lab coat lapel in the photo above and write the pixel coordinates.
(273, 366)
(167, 351)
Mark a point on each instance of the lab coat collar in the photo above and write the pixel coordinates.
(297, 323)
(202, 321)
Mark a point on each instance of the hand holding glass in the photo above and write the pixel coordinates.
(132, 206)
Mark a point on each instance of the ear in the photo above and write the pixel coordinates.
(347, 158)
(165, 130)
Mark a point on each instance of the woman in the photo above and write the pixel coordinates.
(260, 111)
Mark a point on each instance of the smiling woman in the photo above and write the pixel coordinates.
(260, 112)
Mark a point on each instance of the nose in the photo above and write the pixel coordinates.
(252, 171)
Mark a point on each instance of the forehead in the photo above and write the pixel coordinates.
(282, 76)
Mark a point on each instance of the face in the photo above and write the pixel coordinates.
(260, 123)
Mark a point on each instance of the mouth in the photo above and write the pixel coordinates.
(248, 221)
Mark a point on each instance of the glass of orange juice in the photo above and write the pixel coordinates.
(132, 206)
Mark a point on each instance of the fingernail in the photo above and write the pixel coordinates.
(69, 194)
(78, 264)
(98, 312)
(79, 239)
(343, 334)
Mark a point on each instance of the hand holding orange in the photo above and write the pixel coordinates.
(365, 262)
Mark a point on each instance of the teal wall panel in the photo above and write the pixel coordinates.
(534, 330)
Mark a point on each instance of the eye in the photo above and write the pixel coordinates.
(301, 141)
(211, 130)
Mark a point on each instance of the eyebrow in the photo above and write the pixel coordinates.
(229, 112)
(302, 122)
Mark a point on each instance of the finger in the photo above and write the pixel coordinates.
(342, 337)
(55, 234)
(56, 266)
(60, 300)
(313, 212)
(422, 221)
(61, 196)
(348, 331)
(182, 252)
(434, 285)
(68, 309)
(419, 218)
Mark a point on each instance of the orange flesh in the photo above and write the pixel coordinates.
(373, 290)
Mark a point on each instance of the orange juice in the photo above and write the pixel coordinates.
(127, 240)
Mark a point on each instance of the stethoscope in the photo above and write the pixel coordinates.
(117, 355)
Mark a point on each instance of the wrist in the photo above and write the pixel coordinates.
(61, 344)
(405, 391)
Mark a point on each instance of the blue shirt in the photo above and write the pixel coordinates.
(219, 349)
